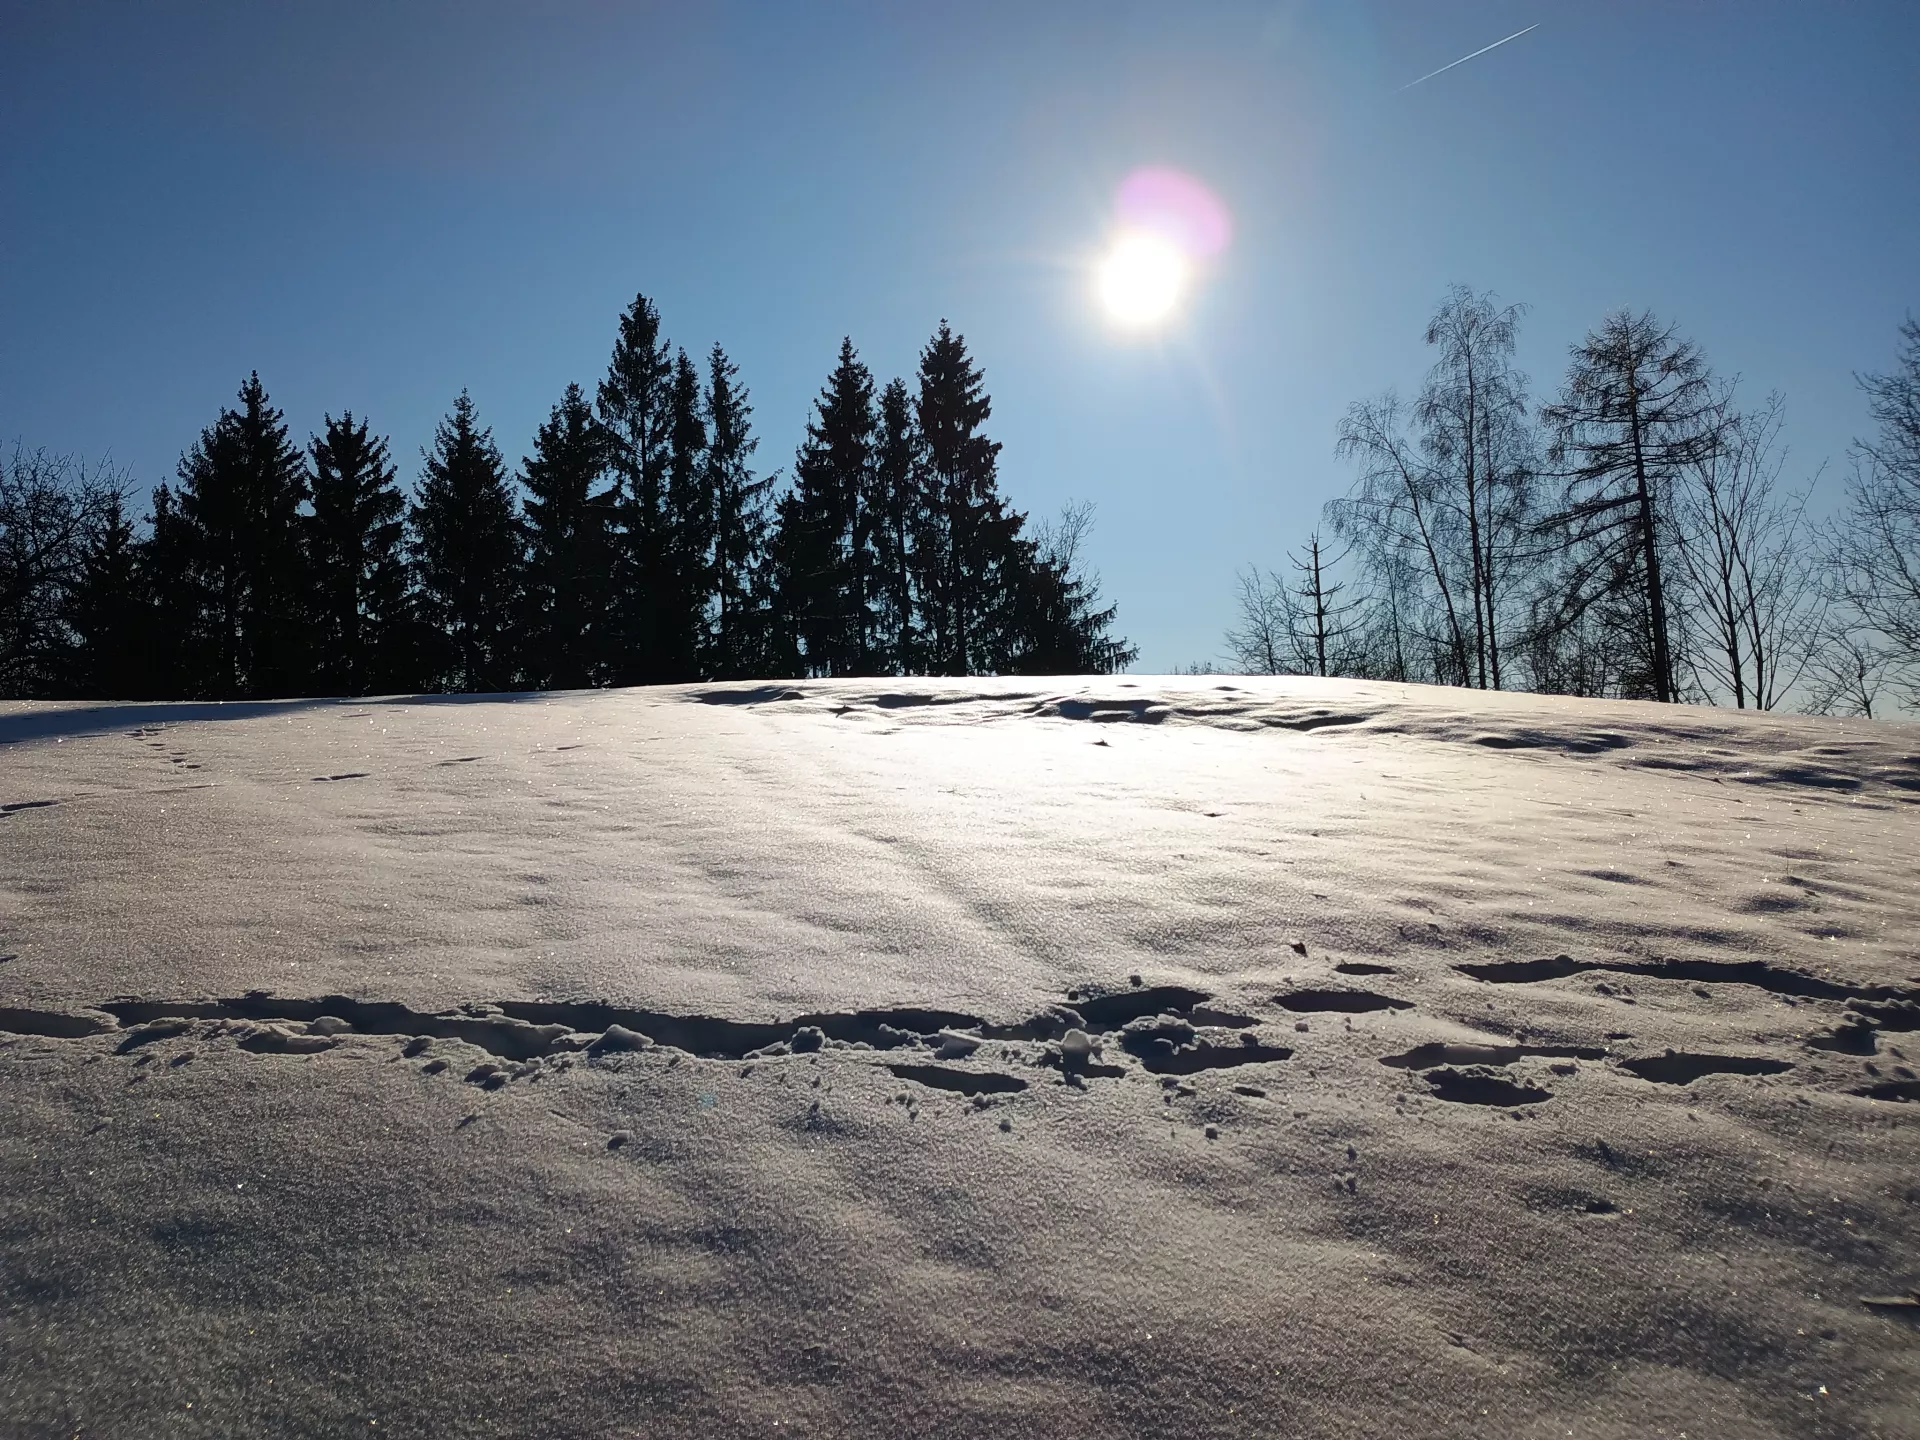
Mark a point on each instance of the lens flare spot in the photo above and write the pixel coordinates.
(1142, 279)
(1178, 208)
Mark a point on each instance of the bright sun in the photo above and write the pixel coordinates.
(1142, 279)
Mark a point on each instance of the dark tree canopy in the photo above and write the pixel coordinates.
(636, 544)
(740, 638)
(241, 488)
(636, 410)
(1638, 407)
(825, 546)
(969, 564)
(357, 551)
(467, 555)
(569, 536)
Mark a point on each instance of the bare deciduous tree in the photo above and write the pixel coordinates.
(1848, 671)
(50, 508)
(1445, 491)
(1472, 413)
(1875, 550)
(1746, 570)
(1300, 628)
(1394, 521)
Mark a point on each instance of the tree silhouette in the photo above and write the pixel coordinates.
(358, 564)
(634, 403)
(740, 639)
(823, 539)
(1062, 628)
(569, 554)
(895, 515)
(1875, 552)
(1638, 406)
(241, 487)
(109, 612)
(688, 518)
(968, 563)
(467, 554)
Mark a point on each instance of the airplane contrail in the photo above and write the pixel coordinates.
(1464, 58)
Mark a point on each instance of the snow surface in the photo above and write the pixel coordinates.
(1031, 1057)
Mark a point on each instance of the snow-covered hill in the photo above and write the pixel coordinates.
(893, 1058)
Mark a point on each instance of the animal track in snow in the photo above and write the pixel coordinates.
(522, 1031)
(1679, 1068)
(1348, 1002)
(1423, 1057)
(966, 1082)
(1478, 1085)
(1773, 978)
(52, 1023)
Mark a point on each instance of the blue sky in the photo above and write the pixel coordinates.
(376, 205)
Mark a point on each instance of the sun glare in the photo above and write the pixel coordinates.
(1142, 279)
(1170, 229)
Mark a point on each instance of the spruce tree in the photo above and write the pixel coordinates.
(893, 511)
(969, 564)
(1059, 624)
(689, 523)
(241, 487)
(828, 560)
(634, 406)
(358, 565)
(109, 613)
(739, 645)
(467, 554)
(569, 554)
(179, 664)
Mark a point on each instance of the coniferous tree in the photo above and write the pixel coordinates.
(109, 613)
(177, 661)
(241, 487)
(894, 512)
(569, 569)
(1638, 407)
(1059, 624)
(689, 522)
(635, 409)
(740, 641)
(826, 544)
(968, 562)
(358, 564)
(569, 555)
(467, 554)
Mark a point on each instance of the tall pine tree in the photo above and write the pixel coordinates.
(358, 564)
(1059, 625)
(689, 522)
(241, 487)
(1638, 408)
(894, 516)
(969, 565)
(739, 641)
(827, 558)
(634, 402)
(467, 554)
(569, 549)
(177, 661)
(109, 613)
